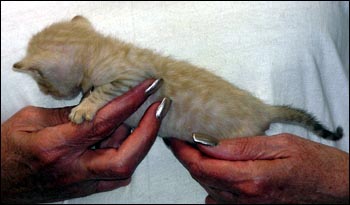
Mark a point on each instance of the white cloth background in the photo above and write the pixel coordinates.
(293, 53)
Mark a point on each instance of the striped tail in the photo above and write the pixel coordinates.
(294, 115)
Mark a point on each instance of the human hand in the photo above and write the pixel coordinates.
(277, 169)
(46, 158)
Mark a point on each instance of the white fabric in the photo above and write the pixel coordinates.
(293, 53)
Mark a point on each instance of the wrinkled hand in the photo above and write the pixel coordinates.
(277, 169)
(45, 157)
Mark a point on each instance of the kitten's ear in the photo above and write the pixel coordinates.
(81, 19)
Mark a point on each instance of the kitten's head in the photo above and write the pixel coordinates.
(53, 57)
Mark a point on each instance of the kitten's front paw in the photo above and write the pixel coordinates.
(79, 113)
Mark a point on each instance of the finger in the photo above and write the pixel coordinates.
(103, 185)
(200, 166)
(248, 148)
(186, 153)
(120, 163)
(210, 200)
(119, 109)
(251, 175)
(219, 194)
(107, 118)
(216, 172)
(116, 138)
(220, 197)
(136, 146)
(83, 188)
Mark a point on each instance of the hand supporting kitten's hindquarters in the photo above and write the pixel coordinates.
(265, 169)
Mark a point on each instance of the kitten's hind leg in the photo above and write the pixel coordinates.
(99, 97)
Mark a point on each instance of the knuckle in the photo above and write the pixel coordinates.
(29, 109)
(286, 139)
(252, 188)
(195, 170)
(123, 171)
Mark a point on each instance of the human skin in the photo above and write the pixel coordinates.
(277, 169)
(46, 158)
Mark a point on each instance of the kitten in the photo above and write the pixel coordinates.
(70, 57)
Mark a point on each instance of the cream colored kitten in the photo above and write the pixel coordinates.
(70, 56)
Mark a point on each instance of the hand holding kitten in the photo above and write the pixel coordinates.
(46, 158)
(276, 169)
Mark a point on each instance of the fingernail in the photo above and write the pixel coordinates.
(166, 141)
(163, 108)
(154, 87)
(204, 139)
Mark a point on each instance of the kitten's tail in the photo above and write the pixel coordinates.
(289, 114)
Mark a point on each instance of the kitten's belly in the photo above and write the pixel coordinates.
(182, 120)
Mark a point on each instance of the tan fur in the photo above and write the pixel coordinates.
(70, 56)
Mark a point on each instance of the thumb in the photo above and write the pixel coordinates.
(249, 148)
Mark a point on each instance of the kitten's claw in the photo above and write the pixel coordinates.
(76, 118)
(81, 113)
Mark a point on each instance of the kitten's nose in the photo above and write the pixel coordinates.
(17, 65)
